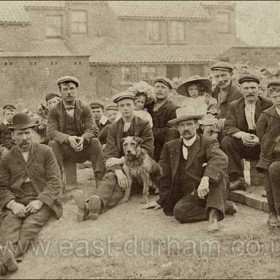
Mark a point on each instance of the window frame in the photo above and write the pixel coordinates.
(86, 22)
(172, 35)
(46, 25)
(150, 79)
(220, 23)
(149, 38)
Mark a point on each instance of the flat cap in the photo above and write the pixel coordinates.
(249, 78)
(96, 104)
(275, 82)
(9, 107)
(111, 106)
(222, 65)
(123, 95)
(52, 95)
(67, 79)
(163, 80)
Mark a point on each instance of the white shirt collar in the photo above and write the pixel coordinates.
(5, 122)
(103, 120)
(190, 141)
(277, 110)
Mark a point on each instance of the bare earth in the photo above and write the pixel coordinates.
(128, 242)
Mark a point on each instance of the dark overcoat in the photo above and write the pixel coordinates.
(140, 128)
(42, 170)
(203, 151)
(233, 94)
(84, 120)
(268, 129)
(236, 119)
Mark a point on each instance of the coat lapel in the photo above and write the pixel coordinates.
(61, 116)
(193, 150)
(258, 110)
(176, 156)
(78, 113)
(31, 155)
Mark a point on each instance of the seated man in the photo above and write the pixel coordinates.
(6, 141)
(240, 129)
(111, 188)
(72, 130)
(268, 131)
(29, 187)
(193, 184)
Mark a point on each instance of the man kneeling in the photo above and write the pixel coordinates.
(193, 185)
(29, 187)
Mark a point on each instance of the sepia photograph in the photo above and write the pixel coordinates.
(139, 139)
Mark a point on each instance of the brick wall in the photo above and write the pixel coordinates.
(26, 80)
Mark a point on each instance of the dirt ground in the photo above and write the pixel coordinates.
(128, 242)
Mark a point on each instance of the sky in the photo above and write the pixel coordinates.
(258, 22)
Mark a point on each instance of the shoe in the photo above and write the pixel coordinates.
(213, 221)
(239, 184)
(7, 258)
(273, 220)
(81, 204)
(94, 207)
(230, 208)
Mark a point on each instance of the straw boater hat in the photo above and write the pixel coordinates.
(183, 88)
(188, 113)
(21, 121)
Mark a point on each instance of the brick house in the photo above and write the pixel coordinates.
(107, 45)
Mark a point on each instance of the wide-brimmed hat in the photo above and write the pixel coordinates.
(21, 121)
(188, 113)
(183, 88)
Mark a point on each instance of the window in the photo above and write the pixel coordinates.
(54, 25)
(223, 22)
(148, 73)
(129, 74)
(79, 22)
(177, 31)
(153, 31)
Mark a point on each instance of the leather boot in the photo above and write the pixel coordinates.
(213, 221)
(7, 258)
(94, 205)
(238, 184)
(82, 206)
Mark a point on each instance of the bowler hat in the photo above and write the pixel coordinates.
(9, 107)
(21, 121)
(275, 82)
(249, 78)
(123, 95)
(222, 65)
(188, 113)
(52, 95)
(163, 80)
(183, 88)
(68, 79)
(96, 104)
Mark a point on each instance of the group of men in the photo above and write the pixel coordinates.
(195, 168)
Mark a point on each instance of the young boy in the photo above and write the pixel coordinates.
(268, 131)
(6, 141)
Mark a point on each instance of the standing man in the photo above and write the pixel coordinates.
(29, 187)
(240, 129)
(112, 187)
(226, 91)
(6, 141)
(162, 111)
(72, 130)
(193, 184)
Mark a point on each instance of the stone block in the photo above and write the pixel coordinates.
(237, 196)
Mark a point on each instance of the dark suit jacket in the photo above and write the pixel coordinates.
(141, 128)
(6, 136)
(268, 129)
(85, 122)
(204, 150)
(42, 170)
(233, 94)
(236, 119)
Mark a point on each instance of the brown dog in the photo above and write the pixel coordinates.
(138, 164)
